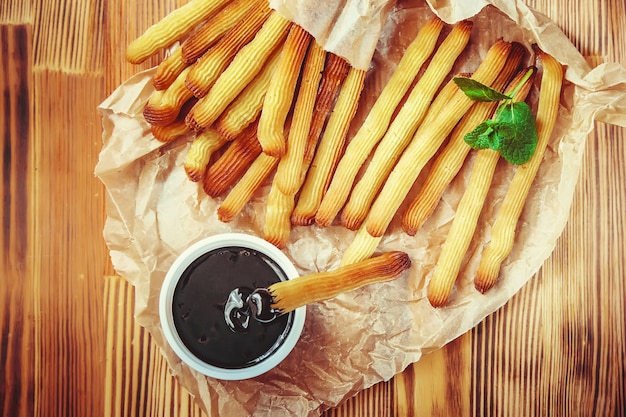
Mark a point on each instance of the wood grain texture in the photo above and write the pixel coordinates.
(18, 307)
(69, 345)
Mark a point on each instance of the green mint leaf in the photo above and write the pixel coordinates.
(504, 130)
(518, 144)
(484, 136)
(478, 91)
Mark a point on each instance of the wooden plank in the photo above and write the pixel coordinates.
(432, 385)
(70, 258)
(137, 381)
(16, 13)
(68, 205)
(504, 373)
(66, 36)
(17, 308)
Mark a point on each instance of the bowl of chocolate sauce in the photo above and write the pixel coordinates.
(204, 310)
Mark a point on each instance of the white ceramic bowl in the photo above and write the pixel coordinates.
(166, 305)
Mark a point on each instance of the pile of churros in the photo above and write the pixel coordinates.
(266, 104)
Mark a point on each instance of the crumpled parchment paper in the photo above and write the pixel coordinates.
(359, 338)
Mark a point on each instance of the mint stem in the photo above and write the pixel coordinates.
(519, 85)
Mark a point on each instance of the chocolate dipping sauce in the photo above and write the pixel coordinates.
(198, 308)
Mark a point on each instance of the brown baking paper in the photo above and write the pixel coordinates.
(366, 336)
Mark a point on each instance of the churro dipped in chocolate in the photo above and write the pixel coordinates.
(286, 296)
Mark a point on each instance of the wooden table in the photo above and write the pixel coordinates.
(69, 344)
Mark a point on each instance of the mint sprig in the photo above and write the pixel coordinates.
(478, 91)
(513, 129)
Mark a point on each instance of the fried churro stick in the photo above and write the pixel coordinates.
(450, 161)
(280, 206)
(199, 154)
(503, 230)
(167, 109)
(377, 120)
(176, 129)
(405, 173)
(232, 163)
(241, 71)
(168, 70)
(425, 143)
(404, 126)
(155, 101)
(211, 65)
(293, 166)
(460, 235)
(335, 72)
(247, 106)
(288, 295)
(361, 248)
(245, 188)
(213, 29)
(364, 245)
(170, 132)
(441, 101)
(468, 211)
(171, 28)
(289, 172)
(330, 148)
(277, 220)
(278, 209)
(281, 91)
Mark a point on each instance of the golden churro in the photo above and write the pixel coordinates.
(330, 148)
(233, 163)
(213, 29)
(377, 120)
(281, 91)
(171, 28)
(401, 131)
(450, 161)
(503, 230)
(241, 71)
(466, 218)
(210, 66)
(289, 295)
